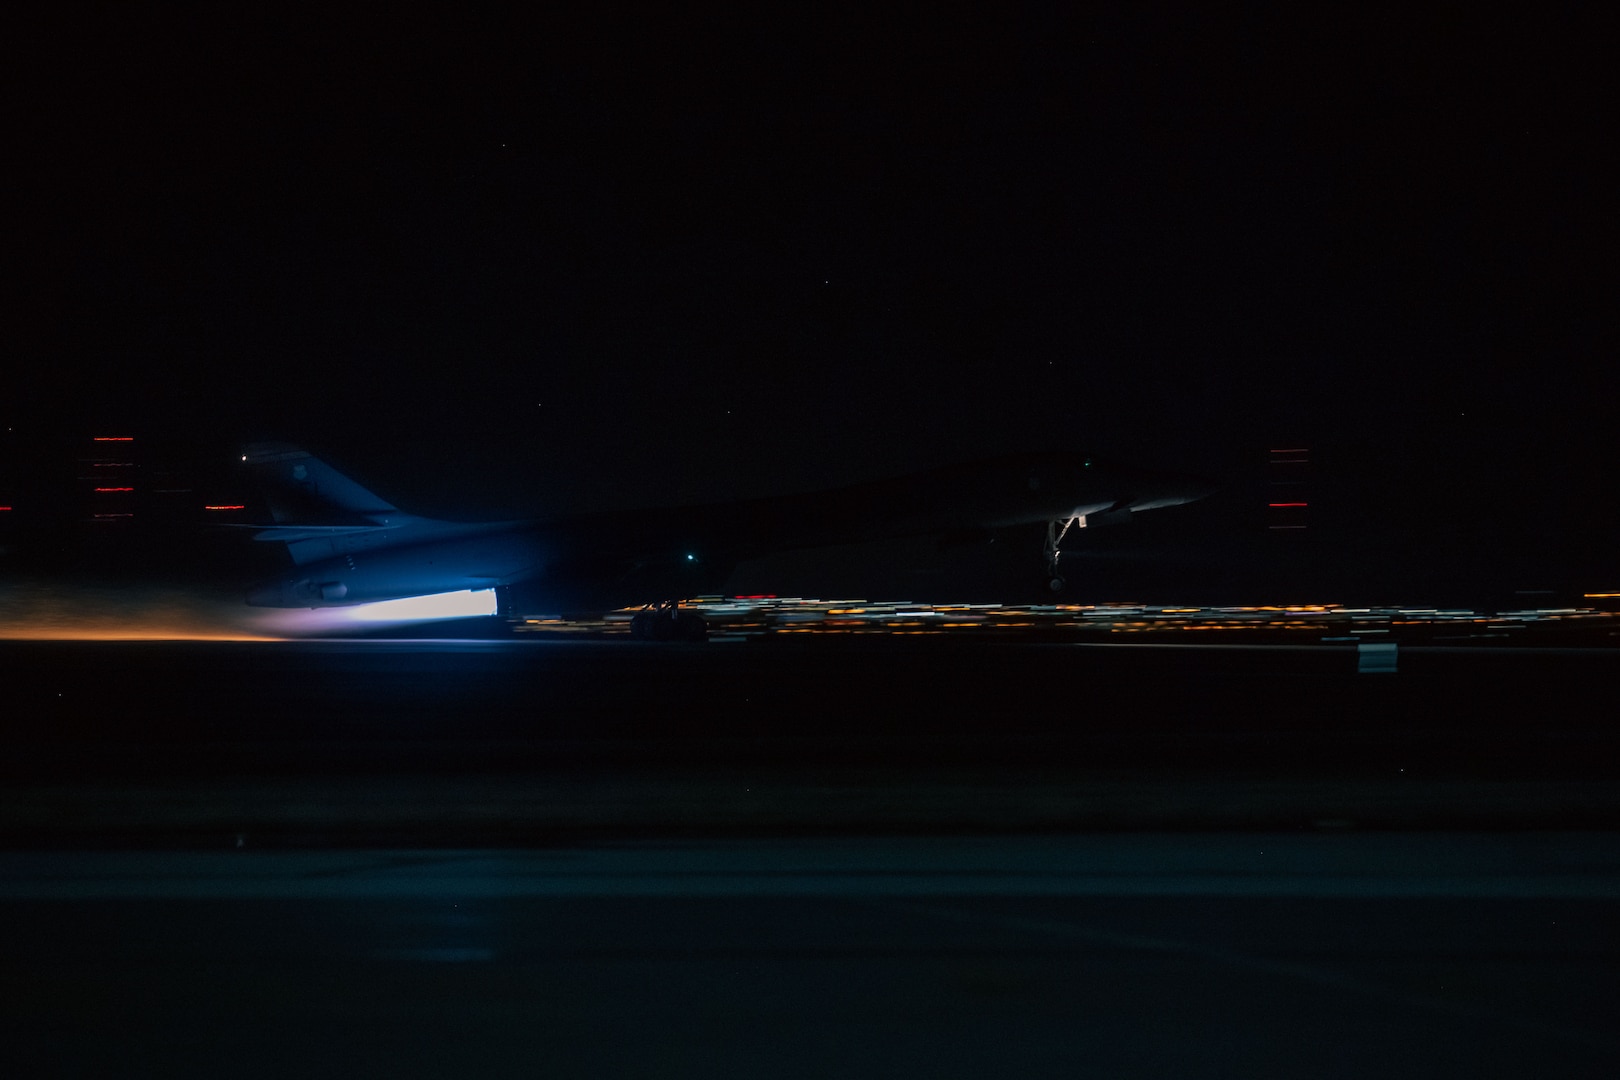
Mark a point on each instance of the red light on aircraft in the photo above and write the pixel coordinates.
(1288, 504)
(5, 508)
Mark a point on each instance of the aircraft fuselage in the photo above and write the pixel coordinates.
(374, 552)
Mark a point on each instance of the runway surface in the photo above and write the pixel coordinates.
(536, 742)
(1255, 955)
(823, 856)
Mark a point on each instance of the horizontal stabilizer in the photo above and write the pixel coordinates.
(267, 531)
(288, 534)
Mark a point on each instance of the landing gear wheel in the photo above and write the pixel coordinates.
(667, 622)
(1054, 537)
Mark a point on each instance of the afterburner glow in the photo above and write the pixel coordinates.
(465, 604)
(340, 620)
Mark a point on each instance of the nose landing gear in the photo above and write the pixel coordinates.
(667, 622)
(1054, 536)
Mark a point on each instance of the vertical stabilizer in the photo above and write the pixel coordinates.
(301, 489)
(319, 513)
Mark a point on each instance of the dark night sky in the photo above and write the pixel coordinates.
(519, 264)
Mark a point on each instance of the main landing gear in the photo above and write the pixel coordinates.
(1054, 537)
(667, 622)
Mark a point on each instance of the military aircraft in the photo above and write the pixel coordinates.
(349, 546)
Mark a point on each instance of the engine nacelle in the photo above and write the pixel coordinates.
(460, 563)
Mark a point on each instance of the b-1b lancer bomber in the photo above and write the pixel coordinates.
(349, 546)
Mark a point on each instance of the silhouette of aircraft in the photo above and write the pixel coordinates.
(349, 546)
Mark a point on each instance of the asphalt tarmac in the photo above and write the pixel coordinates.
(1255, 955)
(881, 856)
(516, 743)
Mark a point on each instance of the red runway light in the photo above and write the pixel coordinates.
(113, 438)
(1288, 504)
(225, 508)
(116, 489)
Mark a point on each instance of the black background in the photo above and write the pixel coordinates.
(515, 265)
